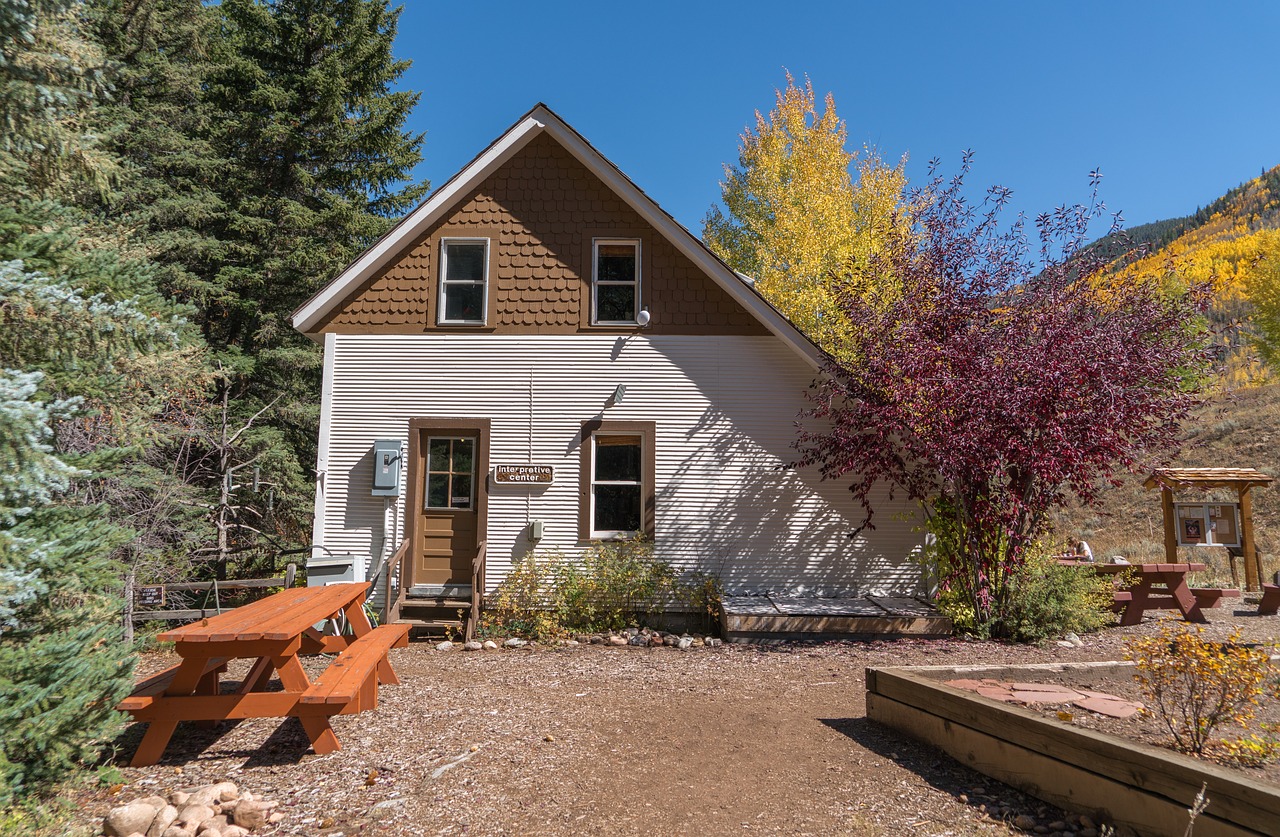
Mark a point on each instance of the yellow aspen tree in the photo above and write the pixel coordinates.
(1263, 290)
(799, 223)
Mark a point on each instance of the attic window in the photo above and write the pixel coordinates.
(464, 269)
(616, 289)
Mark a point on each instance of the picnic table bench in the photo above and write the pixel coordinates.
(1270, 603)
(274, 632)
(1159, 587)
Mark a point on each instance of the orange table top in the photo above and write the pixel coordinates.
(281, 616)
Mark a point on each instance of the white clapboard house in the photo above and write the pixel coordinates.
(539, 356)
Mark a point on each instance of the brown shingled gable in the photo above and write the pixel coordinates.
(541, 211)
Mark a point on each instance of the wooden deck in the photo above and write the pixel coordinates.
(772, 618)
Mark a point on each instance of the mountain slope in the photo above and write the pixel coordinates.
(1235, 430)
(1223, 244)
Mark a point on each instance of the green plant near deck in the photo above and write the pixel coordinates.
(1194, 685)
(612, 585)
(1046, 600)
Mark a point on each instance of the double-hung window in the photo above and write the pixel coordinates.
(464, 271)
(617, 488)
(617, 485)
(616, 281)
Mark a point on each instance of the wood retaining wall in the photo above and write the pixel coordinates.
(1126, 783)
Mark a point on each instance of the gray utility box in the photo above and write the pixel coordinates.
(331, 569)
(386, 468)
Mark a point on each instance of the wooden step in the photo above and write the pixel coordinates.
(773, 618)
(423, 601)
(434, 624)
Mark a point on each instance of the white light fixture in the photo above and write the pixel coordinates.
(618, 392)
(642, 319)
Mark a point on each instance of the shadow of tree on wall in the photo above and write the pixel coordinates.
(785, 530)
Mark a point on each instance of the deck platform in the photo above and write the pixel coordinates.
(772, 618)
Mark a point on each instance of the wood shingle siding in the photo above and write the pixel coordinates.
(540, 212)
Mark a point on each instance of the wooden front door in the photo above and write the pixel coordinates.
(450, 464)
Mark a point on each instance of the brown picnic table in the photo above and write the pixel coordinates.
(274, 632)
(1159, 587)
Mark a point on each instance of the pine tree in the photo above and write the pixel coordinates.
(87, 348)
(311, 132)
(62, 664)
(314, 138)
(157, 124)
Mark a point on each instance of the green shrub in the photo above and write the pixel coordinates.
(524, 604)
(612, 585)
(1046, 600)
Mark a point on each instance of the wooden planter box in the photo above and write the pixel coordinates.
(1145, 788)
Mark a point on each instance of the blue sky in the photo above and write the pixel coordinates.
(1175, 101)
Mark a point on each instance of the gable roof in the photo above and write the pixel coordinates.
(537, 121)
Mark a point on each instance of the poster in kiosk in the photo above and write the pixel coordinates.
(1208, 524)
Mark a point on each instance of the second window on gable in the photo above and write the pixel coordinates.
(464, 269)
(616, 285)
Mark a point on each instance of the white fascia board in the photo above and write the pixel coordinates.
(308, 316)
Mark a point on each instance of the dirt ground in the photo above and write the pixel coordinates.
(595, 740)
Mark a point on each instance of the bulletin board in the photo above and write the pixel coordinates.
(1207, 524)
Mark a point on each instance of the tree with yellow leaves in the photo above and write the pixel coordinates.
(1263, 289)
(798, 222)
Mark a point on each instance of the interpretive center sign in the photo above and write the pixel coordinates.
(523, 474)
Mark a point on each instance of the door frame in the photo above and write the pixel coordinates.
(415, 475)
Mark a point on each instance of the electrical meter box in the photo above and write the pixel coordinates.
(331, 569)
(386, 468)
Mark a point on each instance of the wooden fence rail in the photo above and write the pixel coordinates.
(133, 615)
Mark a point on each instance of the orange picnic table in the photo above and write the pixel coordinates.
(1159, 587)
(274, 632)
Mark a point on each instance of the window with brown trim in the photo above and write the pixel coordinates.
(617, 479)
(451, 472)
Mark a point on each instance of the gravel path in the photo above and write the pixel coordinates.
(594, 740)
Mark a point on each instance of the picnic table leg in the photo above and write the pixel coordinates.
(153, 744)
(258, 677)
(357, 618)
(294, 679)
(208, 685)
(1137, 605)
(1183, 597)
(188, 678)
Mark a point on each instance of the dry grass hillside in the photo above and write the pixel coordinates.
(1242, 430)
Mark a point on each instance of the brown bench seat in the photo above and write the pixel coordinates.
(1206, 597)
(352, 679)
(145, 690)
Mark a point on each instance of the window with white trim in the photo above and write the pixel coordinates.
(617, 484)
(615, 287)
(464, 272)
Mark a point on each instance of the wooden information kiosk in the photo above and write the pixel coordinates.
(1208, 523)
